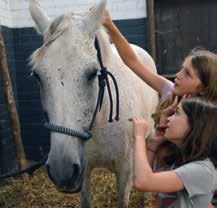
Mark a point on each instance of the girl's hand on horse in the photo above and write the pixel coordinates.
(140, 127)
(107, 20)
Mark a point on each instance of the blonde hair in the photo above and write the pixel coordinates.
(160, 107)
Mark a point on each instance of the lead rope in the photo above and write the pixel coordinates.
(30, 170)
(104, 72)
(103, 82)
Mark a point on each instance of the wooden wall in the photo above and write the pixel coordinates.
(182, 25)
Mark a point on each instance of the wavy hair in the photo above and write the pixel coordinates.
(201, 141)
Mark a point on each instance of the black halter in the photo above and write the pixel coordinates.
(103, 82)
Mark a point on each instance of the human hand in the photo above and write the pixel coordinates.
(185, 96)
(140, 127)
(158, 136)
(107, 20)
(167, 112)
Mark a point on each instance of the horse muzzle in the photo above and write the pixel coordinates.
(70, 184)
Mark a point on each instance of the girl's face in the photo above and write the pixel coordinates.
(187, 81)
(178, 127)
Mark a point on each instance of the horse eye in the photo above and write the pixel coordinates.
(91, 75)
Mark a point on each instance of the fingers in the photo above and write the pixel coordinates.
(161, 126)
(134, 120)
(186, 96)
(174, 105)
(107, 21)
(140, 126)
(91, 8)
(172, 108)
(137, 120)
(175, 102)
(106, 11)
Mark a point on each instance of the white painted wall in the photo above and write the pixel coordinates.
(5, 13)
(15, 13)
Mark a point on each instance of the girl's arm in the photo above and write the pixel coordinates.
(144, 179)
(155, 141)
(131, 59)
(151, 155)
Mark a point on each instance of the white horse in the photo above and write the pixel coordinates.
(67, 65)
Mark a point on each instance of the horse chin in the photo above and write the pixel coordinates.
(72, 187)
(70, 190)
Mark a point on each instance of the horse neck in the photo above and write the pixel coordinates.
(105, 45)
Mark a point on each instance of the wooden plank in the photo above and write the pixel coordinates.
(151, 28)
(11, 106)
(181, 26)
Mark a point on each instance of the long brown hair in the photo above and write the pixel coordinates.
(201, 142)
(204, 63)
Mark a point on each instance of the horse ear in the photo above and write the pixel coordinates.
(39, 16)
(95, 16)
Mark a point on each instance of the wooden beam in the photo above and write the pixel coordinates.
(15, 124)
(151, 28)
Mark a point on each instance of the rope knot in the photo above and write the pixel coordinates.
(104, 82)
(102, 77)
(104, 73)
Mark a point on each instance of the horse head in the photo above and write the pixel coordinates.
(66, 66)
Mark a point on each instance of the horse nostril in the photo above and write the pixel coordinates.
(76, 172)
(68, 177)
(49, 174)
